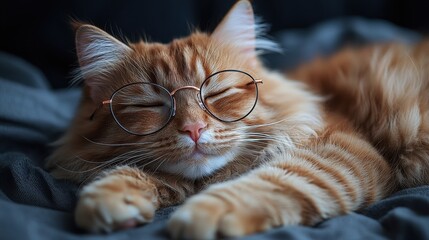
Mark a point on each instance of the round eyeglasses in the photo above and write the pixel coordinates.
(145, 108)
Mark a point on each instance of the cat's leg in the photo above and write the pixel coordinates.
(340, 174)
(122, 198)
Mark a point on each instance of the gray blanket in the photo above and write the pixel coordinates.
(33, 205)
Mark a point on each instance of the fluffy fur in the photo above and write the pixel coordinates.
(350, 131)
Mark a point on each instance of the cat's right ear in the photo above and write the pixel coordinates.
(98, 53)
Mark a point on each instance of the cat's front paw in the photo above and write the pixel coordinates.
(219, 213)
(113, 204)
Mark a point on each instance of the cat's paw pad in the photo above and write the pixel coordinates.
(105, 209)
(207, 217)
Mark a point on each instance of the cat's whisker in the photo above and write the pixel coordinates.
(256, 145)
(260, 125)
(112, 162)
(82, 171)
(135, 158)
(150, 162)
(117, 144)
(145, 164)
(71, 171)
(262, 145)
(261, 139)
(86, 161)
(246, 150)
(129, 160)
(162, 162)
(102, 164)
(123, 155)
(284, 139)
(286, 136)
(141, 156)
(86, 179)
(265, 136)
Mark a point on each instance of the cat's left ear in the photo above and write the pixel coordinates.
(239, 29)
(98, 53)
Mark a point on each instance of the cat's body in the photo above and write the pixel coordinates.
(351, 132)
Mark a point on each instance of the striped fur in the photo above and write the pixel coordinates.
(352, 130)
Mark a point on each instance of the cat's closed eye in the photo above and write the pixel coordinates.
(146, 105)
(216, 94)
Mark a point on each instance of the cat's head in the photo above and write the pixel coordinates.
(187, 137)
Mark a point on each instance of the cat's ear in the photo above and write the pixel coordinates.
(240, 29)
(98, 53)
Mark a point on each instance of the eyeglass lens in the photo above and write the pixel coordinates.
(229, 95)
(142, 108)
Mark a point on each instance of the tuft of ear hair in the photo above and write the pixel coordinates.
(240, 29)
(98, 53)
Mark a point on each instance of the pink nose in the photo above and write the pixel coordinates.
(194, 130)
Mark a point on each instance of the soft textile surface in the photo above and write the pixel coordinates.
(33, 205)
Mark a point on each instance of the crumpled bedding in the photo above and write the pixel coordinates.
(33, 205)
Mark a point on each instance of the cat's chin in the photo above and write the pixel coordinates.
(197, 165)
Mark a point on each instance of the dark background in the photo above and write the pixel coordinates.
(39, 31)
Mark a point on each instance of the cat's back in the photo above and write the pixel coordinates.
(382, 89)
(382, 73)
(364, 82)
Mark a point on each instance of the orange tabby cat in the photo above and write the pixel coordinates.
(160, 122)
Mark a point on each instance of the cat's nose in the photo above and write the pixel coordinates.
(194, 130)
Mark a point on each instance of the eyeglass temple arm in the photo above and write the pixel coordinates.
(99, 107)
(257, 81)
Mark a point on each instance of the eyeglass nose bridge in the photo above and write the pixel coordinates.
(187, 87)
(181, 88)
